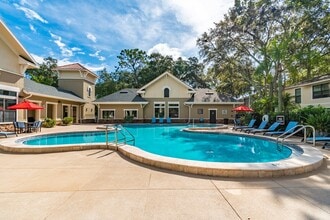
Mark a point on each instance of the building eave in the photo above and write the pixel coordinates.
(122, 103)
(53, 97)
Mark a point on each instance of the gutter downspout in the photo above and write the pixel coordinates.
(189, 111)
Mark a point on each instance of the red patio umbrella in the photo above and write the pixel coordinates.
(25, 105)
(242, 108)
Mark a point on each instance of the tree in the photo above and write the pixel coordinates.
(105, 84)
(131, 62)
(275, 39)
(45, 74)
(156, 65)
(190, 71)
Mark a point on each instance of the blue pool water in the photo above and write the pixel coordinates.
(170, 141)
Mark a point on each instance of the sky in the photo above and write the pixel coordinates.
(93, 32)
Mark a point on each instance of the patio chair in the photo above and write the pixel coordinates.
(250, 125)
(262, 125)
(272, 128)
(19, 127)
(168, 120)
(153, 120)
(36, 126)
(161, 120)
(288, 130)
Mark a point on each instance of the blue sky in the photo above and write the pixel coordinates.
(93, 32)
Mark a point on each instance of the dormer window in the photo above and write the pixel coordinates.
(166, 93)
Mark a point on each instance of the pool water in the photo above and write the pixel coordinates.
(171, 141)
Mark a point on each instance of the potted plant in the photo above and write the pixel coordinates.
(67, 121)
(49, 123)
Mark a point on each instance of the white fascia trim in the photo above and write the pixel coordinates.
(213, 103)
(10, 88)
(53, 97)
(121, 103)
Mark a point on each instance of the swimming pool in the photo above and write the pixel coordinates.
(171, 141)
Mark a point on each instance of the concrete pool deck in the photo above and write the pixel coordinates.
(102, 184)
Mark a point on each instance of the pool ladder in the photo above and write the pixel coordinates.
(126, 135)
(289, 133)
(119, 130)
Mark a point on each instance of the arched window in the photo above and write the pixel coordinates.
(166, 93)
(89, 91)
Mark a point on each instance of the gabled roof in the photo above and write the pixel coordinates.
(74, 67)
(207, 96)
(8, 37)
(161, 76)
(122, 96)
(34, 88)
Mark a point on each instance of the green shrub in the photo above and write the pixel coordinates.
(316, 116)
(128, 119)
(321, 122)
(49, 123)
(67, 120)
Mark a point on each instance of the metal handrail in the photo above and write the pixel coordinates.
(292, 132)
(120, 128)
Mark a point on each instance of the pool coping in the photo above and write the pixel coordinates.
(309, 160)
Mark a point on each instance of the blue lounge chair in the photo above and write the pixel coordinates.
(168, 120)
(320, 139)
(161, 120)
(250, 125)
(288, 130)
(272, 128)
(153, 120)
(262, 125)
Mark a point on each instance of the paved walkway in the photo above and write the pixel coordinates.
(101, 184)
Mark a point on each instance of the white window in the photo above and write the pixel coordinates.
(108, 114)
(159, 109)
(131, 113)
(8, 97)
(173, 109)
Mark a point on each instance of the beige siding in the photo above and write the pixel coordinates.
(156, 90)
(120, 110)
(307, 96)
(9, 60)
(88, 111)
(10, 79)
(73, 85)
(222, 111)
(149, 108)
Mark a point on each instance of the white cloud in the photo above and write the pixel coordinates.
(32, 28)
(30, 14)
(37, 58)
(200, 15)
(91, 37)
(31, 3)
(65, 51)
(165, 50)
(97, 55)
